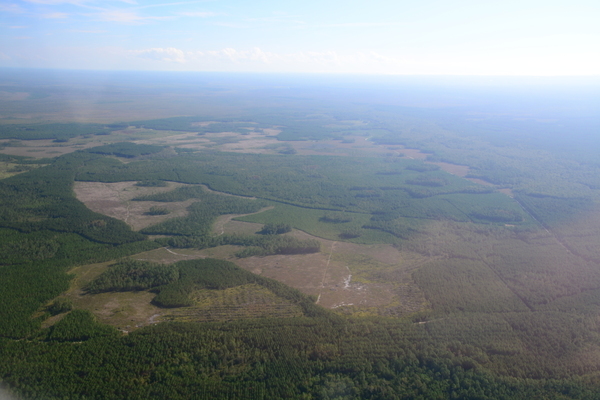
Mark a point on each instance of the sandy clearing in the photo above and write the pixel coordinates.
(48, 148)
(114, 200)
(321, 275)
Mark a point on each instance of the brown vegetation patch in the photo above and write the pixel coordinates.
(360, 147)
(454, 169)
(204, 123)
(114, 200)
(329, 276)
(48, 148)
(245, 301)
(166, 255)
(124, 310)
(250, 142)
(413, 154)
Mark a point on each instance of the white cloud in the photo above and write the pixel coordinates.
(124, 16)
(169, 54)
(324, 60)
(314, 57)
(237, 56)
(257, 59)
(12, 8)
(4, 56)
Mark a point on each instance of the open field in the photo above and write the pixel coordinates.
(328, 275)
(114, 200)
(310, 220)
(131, 310)
(361, 278)
(325, 275)
(322, 274)
(126, 310)
(8, 169)
(331, 275)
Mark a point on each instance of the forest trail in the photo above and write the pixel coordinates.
(546, 228)
(325, 272)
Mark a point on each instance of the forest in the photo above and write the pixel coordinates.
(485, 246)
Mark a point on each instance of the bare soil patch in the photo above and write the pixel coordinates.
(48, 148)
(204, 123)
(413, 154)
(328, 276)
(357, 146)
(454, 169)
(114, 200)
(124, 310)
(253, 141)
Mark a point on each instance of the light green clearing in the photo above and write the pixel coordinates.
(307, 220)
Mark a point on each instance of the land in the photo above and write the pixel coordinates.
(418, 249)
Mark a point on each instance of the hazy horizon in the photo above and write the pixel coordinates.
(427, 38)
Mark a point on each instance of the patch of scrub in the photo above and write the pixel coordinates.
(245, 301)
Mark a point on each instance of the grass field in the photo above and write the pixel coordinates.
(310, 221)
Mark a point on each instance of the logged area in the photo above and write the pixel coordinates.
(244, 244)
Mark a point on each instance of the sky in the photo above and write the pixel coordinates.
(427, 37)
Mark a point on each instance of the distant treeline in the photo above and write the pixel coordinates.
(61, 132)
(257, 245)
(126, 149)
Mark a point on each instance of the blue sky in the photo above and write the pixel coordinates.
(461, 37)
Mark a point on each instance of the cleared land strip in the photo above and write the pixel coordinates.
(546, 228)
(325, 272)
